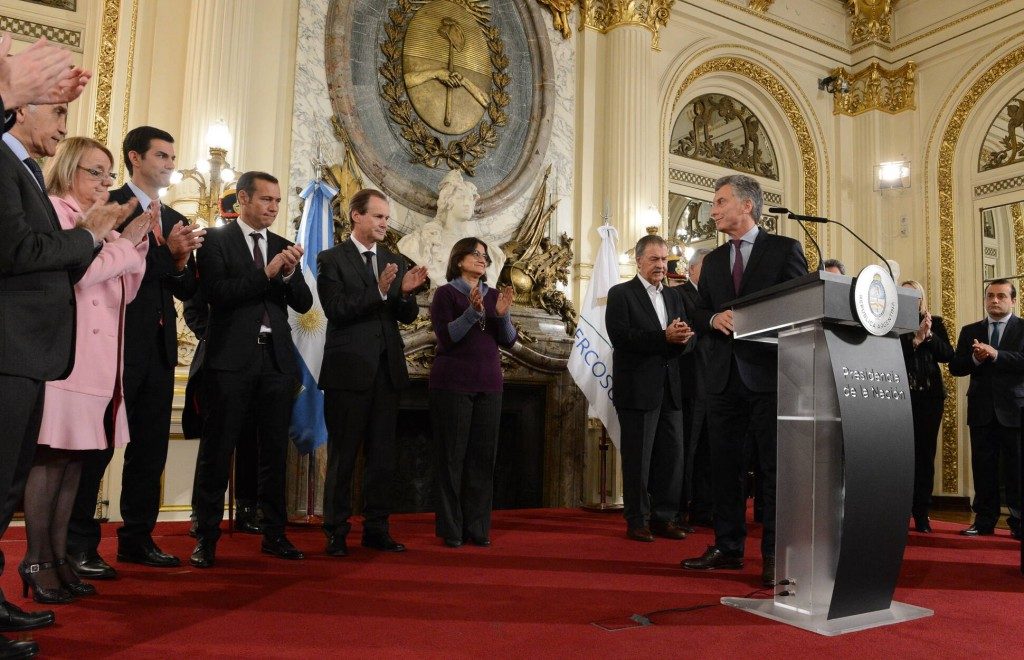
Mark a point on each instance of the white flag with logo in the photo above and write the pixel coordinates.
(590, 363)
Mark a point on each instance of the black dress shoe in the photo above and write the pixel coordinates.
(90, 566)
(15, 619)
(383, 542)
(247, 520)
(974, 530)
(204, 554)
(642, 534)
(10, 648)
(768, 571)
(151, 556)
(453, 543)
(711, 560)
(280, 546)
(481, 541)
(337, 546)
(922, 525)
(668, 530)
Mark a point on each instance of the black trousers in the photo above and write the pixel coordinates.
(686, 485)
(732, 415)
(651, 448)
(465, 430)
(246, 466)
(21, 412)
(265, 393)
(927, 412)
(995, 448)
(698, 463)
(353, 419)
(148, 392)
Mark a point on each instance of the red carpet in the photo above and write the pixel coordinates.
(550, 575)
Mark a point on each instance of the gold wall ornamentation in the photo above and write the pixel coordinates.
(25, 28)
(718, 129)
(606, 15)
(1017, 216)
(805, 144)
(759, 5)
(1002, 146)
(875, 88)
(560, 10)
(871, 20)
(105, 68)
(476, 61)
(947, 243)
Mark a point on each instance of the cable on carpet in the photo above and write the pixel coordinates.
(646, 619)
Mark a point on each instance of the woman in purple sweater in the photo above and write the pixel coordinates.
(470, 320)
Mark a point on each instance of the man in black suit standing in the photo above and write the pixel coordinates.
(150, 355)
(741, 375)
(646, 324)
(991, 352)
(365, 291)
(39, 264)
(250, 276)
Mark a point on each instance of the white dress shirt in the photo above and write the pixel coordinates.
(657, 295)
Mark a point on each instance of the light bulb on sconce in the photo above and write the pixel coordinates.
(212, 175)
(218, 136)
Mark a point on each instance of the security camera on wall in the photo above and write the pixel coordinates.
(833, 85)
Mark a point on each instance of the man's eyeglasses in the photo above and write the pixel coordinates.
(481, 255)
(98, 175)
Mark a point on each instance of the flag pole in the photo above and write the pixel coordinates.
(602, 505)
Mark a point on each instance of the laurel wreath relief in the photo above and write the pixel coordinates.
(427, 148)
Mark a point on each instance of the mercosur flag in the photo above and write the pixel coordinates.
(590, 362)
(316, 233)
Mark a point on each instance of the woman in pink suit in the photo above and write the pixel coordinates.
(85, 411)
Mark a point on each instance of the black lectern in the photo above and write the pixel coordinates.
(845, 455)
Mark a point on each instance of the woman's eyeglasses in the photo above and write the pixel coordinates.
(98, 175)
(481, 255)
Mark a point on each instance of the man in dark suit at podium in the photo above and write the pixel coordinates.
(150, 355)
(741, 375)
(647, 327)
(991, 352)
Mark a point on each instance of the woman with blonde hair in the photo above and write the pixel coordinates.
(84, 411)
(923, 350)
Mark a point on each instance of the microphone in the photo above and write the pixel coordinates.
(784, 211)
(814, 218)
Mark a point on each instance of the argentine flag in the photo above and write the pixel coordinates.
(316, 233)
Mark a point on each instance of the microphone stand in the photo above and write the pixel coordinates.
(873, 250)
(821, 258)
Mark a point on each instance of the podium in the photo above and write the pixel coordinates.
(845, 455)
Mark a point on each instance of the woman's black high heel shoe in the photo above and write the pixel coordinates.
(76, 588)
(40, 594)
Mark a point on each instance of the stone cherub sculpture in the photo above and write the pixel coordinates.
(431, 244)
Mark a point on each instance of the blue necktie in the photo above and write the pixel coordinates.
(37, 172)
(994, 343)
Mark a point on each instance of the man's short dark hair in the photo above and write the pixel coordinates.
(247, 181)
(645, 241)
(1013, 289)
(834, 263)
(744, 187)
(360, 201)
(138, 140)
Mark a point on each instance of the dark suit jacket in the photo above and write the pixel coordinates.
(996, 392)
(641, 356)
(37, 299)
(361, 326)
(773, 259)
(152, 311)
(689, 370)
(197, 317)
(238, 292)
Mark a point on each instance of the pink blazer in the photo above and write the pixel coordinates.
(110, 283)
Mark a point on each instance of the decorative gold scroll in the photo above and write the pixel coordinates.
(759, 5)
(606, 15)
(875, 88)
(871, 20)
(105, 68)
(560, 10)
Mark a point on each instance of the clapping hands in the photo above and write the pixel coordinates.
(285, 261)
(505, 296)
(678, 332)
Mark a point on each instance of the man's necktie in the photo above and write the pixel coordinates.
(995, 334)
(37, 172)
(737, 266)
(369, 264)
(257, 257)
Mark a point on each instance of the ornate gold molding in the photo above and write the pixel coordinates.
(606, 15)
(871, 20)
(105, 68)
(560, 10)
(947, 243)
(1018, 234)
(32, 30)
(874, 88)
(760, 6)
(775, 89)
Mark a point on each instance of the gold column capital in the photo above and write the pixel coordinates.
(760, 6)
(875, 88)
(871, 20)
(606, 15)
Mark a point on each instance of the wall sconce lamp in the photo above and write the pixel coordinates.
(893, 175)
